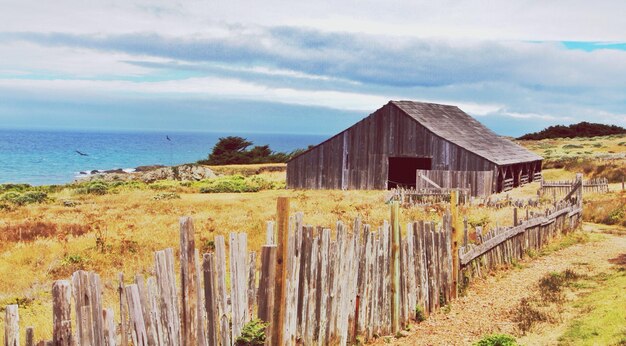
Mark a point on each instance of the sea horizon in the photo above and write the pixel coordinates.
(39, 156)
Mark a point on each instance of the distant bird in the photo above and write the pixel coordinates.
(81, 154)
(168, 138)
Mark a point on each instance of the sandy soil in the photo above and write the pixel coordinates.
(485, 307)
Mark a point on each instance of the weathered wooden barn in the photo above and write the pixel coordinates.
(385, 149)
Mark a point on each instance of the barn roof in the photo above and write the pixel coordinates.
(456, 126)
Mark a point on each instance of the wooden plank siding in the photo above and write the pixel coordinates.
(357, 158)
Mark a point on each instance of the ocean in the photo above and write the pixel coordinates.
(42, 157)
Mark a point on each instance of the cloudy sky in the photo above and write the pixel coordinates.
(307, 67)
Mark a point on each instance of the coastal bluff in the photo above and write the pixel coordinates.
(149, 174)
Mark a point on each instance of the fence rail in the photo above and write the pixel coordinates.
(504, 245)
(479, 183)
(426, 196)
(563, 187)
(313, 285)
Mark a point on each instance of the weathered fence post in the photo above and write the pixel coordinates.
(395, 267)
(122, 299)
(269, 233)
(278, 316)
(11, 326)
(30, 336)
(148, 317)
(465, 235)
(208, 267)
(252, 299)
(222, 298)
(109, 327)
(266, 288)
(191, 328)
(238, 282)
(455, 242)
(579, 177)
(87, 293)
(61, 313)
(135, 314)
(167, 296)
(514, 217)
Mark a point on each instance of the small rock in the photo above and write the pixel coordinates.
(70, 203)
(403, 333)
(147, 168)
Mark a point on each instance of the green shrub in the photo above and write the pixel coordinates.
(237, 184)
(93, 188)
(615, 216)
(252, 334)
(497, 340)
(101, 187)
(24, 198)
(14, 187)
(21, 301)
(478, 221)
(165, 185)
(131, 184)
(49, 188)
(10, 196)
(419, 314)
(573, 146)
(233, 183)
(69, 264)
(206, 245)
(73, 259)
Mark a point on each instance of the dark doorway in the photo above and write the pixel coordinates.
(401, 171)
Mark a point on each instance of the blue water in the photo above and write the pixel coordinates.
(41, 157)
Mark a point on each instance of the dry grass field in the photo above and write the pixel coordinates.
(578, 147)
(111, 228)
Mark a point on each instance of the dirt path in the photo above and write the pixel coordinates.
(485, 307)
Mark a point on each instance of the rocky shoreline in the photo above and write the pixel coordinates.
(149, 174)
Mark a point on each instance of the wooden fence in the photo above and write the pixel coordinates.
(505, 245)
(479, 183)
(426, 196)
(311, 284)
(563, 187)
(507, 201)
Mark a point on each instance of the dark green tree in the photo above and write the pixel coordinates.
(234, 150)
(230, 150)
(583, 129)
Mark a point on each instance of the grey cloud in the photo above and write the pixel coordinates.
(384, 61)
